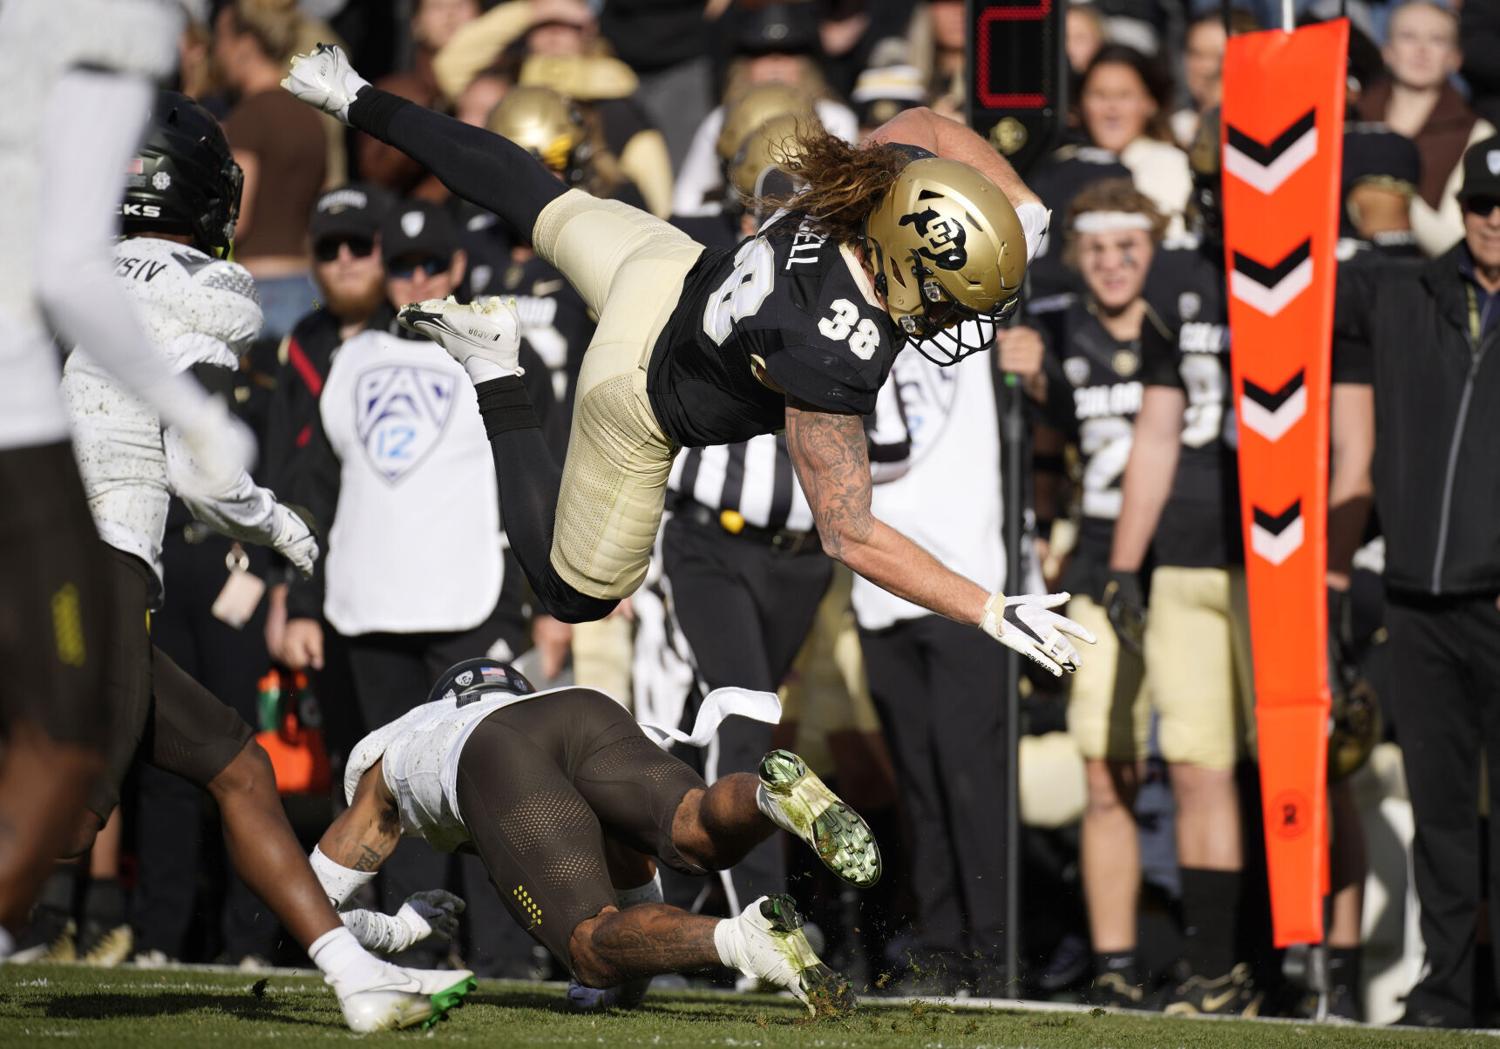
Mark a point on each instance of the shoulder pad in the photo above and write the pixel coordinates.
(185, 291)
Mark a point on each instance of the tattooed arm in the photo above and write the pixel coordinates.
(368, 831)
(833, 464)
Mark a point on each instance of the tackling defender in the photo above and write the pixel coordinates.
(179, 215)
(564, 798)
(76, 76)
(795, 329)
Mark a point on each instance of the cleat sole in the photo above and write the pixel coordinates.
(838, 834)
(447, 999)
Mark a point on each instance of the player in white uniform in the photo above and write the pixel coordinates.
(179, 213)
(76, 79)
(565, 799)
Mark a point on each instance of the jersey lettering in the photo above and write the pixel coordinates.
(742, 292)
(1105, 445)
(138, 269)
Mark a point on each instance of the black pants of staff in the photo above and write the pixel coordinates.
(1445, 662)
(938, 688)
(170, 811)
(745, 607)
(392, 673)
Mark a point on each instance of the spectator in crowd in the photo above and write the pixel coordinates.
(1122, 107)
(481, 95)
(555, 44)
(666, 43)
(433, 24)
(1418, 100)
(1202, 66)
(393, 479)
(1090, 390)
(939, 31)
(1180, 502)
(345, 234)
(1420, 339)
(1479, 30)
(853, 32)
(1380, 175)
(935, 689)
(883, 91)
(1085, 36)
(280, 147)
(777, 44)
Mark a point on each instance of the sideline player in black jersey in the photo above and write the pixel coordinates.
(795, 329)
(1181, 499)
(1090, 388)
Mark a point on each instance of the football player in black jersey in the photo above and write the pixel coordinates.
(1181, 500)
(1090, 389)
(925, 227)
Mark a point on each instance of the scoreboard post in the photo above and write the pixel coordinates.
(1017, 75)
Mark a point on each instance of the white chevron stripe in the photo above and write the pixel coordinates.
(1277, 548)
(1268, 177)
(1271, 425)
(1271, 301)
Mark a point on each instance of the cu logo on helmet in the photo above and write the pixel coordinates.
(944, 238)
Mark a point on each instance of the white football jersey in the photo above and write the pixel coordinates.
(40, 41)
(197, 310)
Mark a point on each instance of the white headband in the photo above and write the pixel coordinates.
(1111, 222)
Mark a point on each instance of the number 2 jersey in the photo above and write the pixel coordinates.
(788, 313)
(1200, 524)
(1093, 395)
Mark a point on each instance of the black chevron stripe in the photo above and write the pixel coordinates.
(1270, 276)
(1266, 154)
(1278, 523)
(1271, 400)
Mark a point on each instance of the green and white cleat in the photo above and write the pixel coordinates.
(767, 943)
(793, 797)
(412, 997)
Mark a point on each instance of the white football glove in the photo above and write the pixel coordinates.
(1034, 222)
(220, 449)
(295, 540)
(1025, 624)
(423, 915)
(324, 79)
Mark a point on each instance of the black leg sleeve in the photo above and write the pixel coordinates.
(529, 479)
(484, 168)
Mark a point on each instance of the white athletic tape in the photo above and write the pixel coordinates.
(1110, 222)
(718, 705)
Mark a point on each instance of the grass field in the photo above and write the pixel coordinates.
(167, 1009)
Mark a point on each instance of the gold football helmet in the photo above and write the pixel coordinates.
(754, 108)
(771, 145)
(945, 247)
(546, 125)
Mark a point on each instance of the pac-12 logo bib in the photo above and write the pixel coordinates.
(399, 414)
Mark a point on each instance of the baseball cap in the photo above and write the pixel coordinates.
(783, 28)
(1481, 170)
(418, 228)
(355, 210)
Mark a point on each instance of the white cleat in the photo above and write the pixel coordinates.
(768, 944)
(792, 796)
(324, 79)
(408, 998)
(484, 335)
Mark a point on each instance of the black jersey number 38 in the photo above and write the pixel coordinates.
(748, 286)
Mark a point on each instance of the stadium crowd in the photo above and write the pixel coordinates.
(1142, 864)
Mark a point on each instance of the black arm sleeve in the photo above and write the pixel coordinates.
(317, 489)
(484, 168)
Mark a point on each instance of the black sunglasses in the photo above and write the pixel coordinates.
(1484, 207)
(406, 268)
(327, 249)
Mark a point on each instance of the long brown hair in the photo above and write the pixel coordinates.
(842, 183)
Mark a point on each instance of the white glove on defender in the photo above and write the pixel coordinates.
(1025, 624)
(295, 540)
(424, 914)
(1034, 220)
(324, 79)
